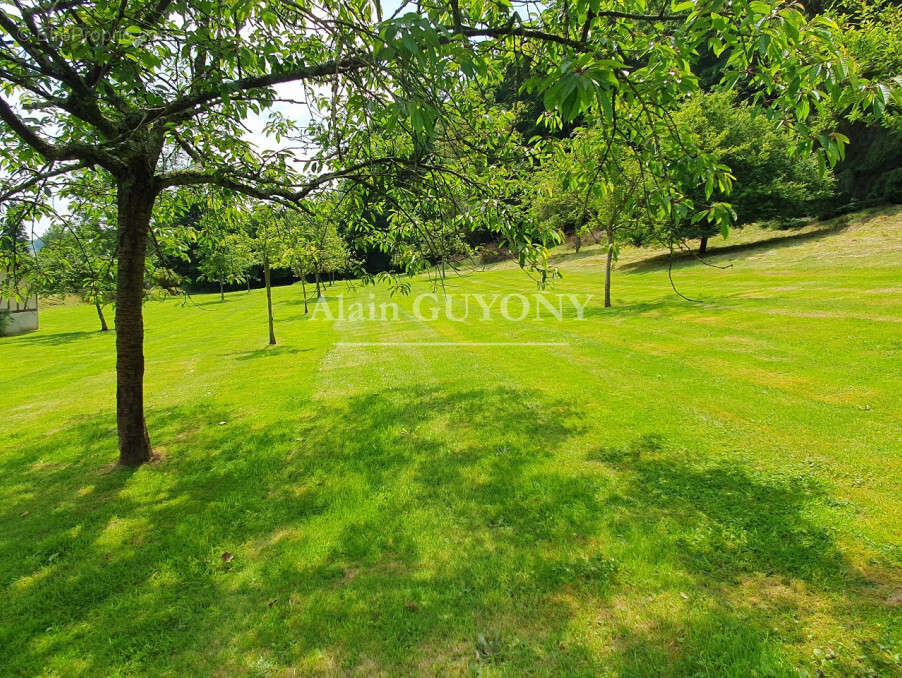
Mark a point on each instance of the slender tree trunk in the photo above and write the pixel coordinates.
(248, 284)
(331, 278)
(103, 325)
(304, 291)
(577, 243)
(319, 293)
(266, 279)
(221, 292)
(135, 198)
(703, 245)
(607, 269)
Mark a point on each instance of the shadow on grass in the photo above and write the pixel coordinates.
(681, 259)
(727, 521)
(40, 338)
(669, 306)
(409, 530)
(312, 300)
(266, 352)
(666, 305)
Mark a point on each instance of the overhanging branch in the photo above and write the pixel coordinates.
(41, 176)
(189, 104)
(53, 152)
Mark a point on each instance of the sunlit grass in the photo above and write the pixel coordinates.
(680, 489)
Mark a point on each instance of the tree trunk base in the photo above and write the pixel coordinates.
(103, 326)
(136, 457)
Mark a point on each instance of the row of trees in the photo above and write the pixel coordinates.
(149, 97)
(231, 241)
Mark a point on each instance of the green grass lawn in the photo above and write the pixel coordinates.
(679, 489)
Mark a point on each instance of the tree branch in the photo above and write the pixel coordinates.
(189, 104)
(43, 176)
(90, 155)
(263, 189)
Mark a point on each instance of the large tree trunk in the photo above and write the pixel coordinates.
(703, 245)
(103, 325)
(266, 279)
(135, 197)
(607, 269)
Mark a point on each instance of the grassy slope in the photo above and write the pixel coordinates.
(684, 489)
